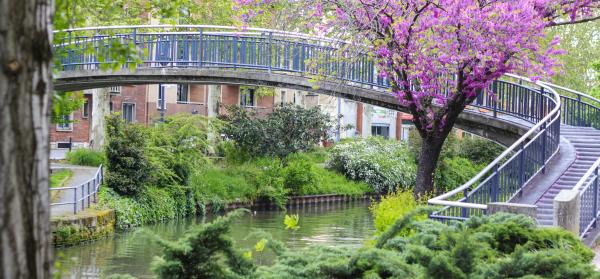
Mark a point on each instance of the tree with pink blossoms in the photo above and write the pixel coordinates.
(439, 55)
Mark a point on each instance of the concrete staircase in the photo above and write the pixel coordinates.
(586, 142)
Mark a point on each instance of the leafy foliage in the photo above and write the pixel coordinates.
(479, 150)
(63, 104)
(86, 157)
(498, 246)
(128, 168)
(453, 172)
(204, 252)
(392, 207)
(385, 165)
(287, 130)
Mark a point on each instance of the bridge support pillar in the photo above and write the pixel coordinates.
(515, 208)
(566, 210)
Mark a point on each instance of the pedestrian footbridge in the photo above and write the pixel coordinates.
(552, 133)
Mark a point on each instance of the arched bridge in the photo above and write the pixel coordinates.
(526, 116)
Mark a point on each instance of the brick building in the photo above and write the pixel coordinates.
(144, 104)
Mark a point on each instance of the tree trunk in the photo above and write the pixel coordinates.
(25, 94)
(428, 158)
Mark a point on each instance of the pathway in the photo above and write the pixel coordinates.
(586, 144)
(81, 174)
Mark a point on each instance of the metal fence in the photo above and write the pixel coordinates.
(84, 194)
(504, 178)
(588, 207)
(190, 46)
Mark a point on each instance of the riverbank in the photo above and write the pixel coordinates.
(335, 224)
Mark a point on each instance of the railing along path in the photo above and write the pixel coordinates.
(83, 194)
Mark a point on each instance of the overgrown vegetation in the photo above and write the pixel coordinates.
(60, 177)
(270, 179)
(383, 164)
(287, 130)
(498, 246)
(460, 160)
(86, 157)
(393, 207)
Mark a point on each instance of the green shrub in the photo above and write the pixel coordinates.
(453, 172)
(286, 130)
(497, 246)
(128, 168)
(385, 165)
(300, 177)
(177, 146)
(152, 205)
(391, 208)
(479, 150)
(86, 157)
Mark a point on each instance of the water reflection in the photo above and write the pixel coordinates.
(331, 224)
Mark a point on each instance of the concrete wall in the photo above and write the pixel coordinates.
(86, 226)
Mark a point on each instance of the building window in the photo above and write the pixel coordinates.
(86, 109)
(407, 125)
(115, 90)
(382, 131)
(161, 95)
(110, 106)
(183, 93)
(282, 97)
(67, 124)
(247, 98)
(129, 112)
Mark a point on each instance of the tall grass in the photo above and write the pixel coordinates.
(86, 157)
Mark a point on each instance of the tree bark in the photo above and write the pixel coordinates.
(25, 94)
(431, 149)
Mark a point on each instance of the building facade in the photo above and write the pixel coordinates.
(147, 104)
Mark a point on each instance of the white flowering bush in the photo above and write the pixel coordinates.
(386, 165)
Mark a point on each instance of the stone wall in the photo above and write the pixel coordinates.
(85, 226)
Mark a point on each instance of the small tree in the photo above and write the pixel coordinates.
(128, 169)
(287, 130)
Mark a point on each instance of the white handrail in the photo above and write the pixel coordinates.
(571, 91)
(586, 176)
(441, 199)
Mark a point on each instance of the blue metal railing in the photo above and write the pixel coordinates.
(82, 193)
(589, 198)
(504, 178)
(189, 46)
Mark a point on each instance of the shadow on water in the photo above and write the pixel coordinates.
(330, 224)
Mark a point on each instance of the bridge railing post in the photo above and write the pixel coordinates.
(270, 51)
(578, 110)
(495, 98)
(200, 48)
(463, 210)
(544, 141)
(522, 168)
(595, 202)
(75, 201)
(495, 188)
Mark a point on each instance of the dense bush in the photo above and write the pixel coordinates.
(128, 167)
(287, 130)
(479, 150)
(383, 164)
(152, 205)
(453, 172)
(391, 208)
(177, 146)
(86, 157)
(498, 246)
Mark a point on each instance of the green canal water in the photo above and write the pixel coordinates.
(330, 224)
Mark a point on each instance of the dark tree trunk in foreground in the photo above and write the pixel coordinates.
(25, 93)
(431, 149)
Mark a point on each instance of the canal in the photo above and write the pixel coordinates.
(331, 224)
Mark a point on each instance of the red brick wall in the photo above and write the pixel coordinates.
(230, 95)
(81, 127)
(135, 94)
